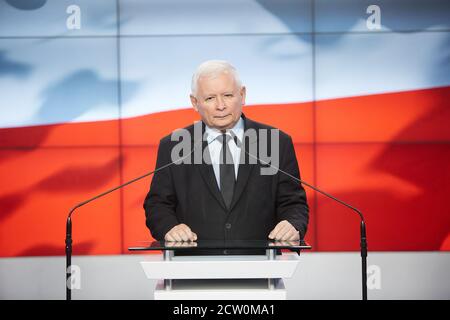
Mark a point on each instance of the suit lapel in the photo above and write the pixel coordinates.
(243, 175)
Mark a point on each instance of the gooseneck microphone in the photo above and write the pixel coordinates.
(68, 240)
(363, 237)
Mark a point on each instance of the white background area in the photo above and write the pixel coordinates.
(404, 275)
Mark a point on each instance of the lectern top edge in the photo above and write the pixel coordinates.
(221, 244)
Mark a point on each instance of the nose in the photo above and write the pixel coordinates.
(220, 103)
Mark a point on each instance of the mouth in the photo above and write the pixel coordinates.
(221, 117)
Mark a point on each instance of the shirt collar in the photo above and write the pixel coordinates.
(238, 131)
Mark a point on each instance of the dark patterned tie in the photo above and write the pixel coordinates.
(227, 176)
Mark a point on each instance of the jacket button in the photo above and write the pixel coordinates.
(228, 225)
(225, 251)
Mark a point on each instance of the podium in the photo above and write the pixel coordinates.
(184, 272)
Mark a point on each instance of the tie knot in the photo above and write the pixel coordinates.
(224, 138)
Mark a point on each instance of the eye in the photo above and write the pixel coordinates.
(229, 95)
(209, 99)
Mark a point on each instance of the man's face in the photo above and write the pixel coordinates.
(219, 101)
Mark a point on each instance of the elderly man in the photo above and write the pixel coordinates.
(232, 199)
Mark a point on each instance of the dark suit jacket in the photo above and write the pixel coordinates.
(188, 193)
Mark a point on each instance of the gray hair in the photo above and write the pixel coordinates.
(213, 68)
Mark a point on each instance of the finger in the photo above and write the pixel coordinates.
(168, 237)
(176, 235)
(192, 235)
(281, 233)
(296, 235)
(276, 230)
(184, 234)
(188, 232)
(290, 233)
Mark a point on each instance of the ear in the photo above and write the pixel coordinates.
(243, 94)
(194, 102)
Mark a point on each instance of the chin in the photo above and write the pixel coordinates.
(226, 126)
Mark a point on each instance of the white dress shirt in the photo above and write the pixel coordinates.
(215, 146)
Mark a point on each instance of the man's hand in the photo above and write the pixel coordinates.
(284, 231)
(180, 232)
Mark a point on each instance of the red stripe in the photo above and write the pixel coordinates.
(360, 157)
